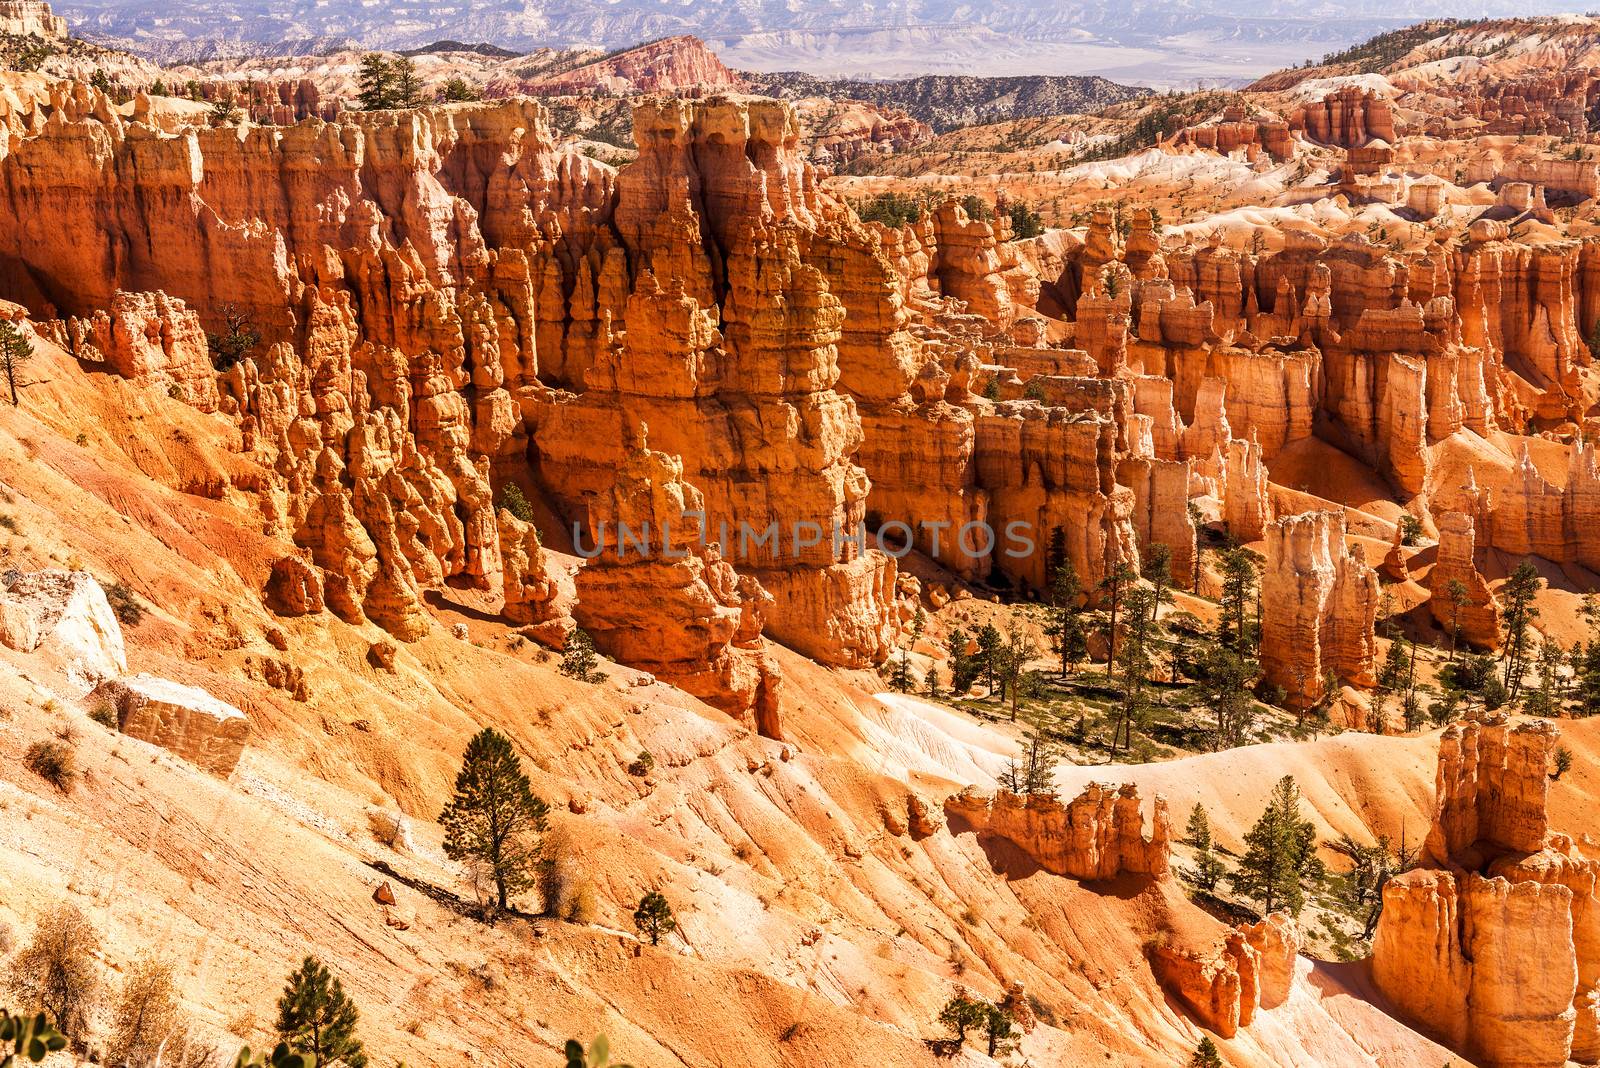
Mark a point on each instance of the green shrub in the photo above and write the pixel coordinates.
(977, 208)
(891, 209)
(1025, 222)
(130, 611)
(513, 500)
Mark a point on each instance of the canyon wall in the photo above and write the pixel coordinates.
(447, 304)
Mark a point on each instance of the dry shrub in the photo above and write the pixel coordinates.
(555, 870)
(56, 972)
(389, 827)
(56, 762)
(104, 713)
(581, 906)
(146, 1020)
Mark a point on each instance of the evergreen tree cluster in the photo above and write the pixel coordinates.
(388, 82)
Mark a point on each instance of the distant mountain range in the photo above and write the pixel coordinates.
(1137, 41)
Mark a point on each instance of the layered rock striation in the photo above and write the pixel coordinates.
(657, 593)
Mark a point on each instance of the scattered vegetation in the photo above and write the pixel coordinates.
(125, 604)
(104, 713)
(388, 82)
(1025, 222)
(224, 110)
(456, 90)
(146, 1019)
(1206, 1055)
(578, 659)
(1410, 529)
(1376, 53)
(1281, 853)
(895, 210)
(513, 500)
(977, 208)
(27, 1038)
(15, 350)
(238, 337)
(598, 1055)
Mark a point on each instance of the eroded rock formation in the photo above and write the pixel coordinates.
(1477, 614)
(480, 307)
(658, 595)
(1493, 944)
(66, 614)
(1252, 969)
(1097, 835)
(1319, 604)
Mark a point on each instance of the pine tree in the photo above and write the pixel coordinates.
(316, 1017)
(578, 660)
(1280, 853)
(1014, 657)
(1391, 679)
(1206, 1055)
(1224, 677)
(964, 667)
(224, 111)
(1238, 586)
(1116, 580)
(1517, 619)
(654, 917)
(900, 679)
(1134, 660)
(1460, 597)
(1158, 570)
(1197, 520)
(407, 86)
(494, 819)
(963, 1013)
(377, 82)
(998, 1028)
(1065, 625)
(459, 89)
(988, 655)
(1198, 831)
(15, 350)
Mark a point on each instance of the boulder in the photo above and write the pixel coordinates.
(187, 720)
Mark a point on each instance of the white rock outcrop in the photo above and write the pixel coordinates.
(64, 613)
